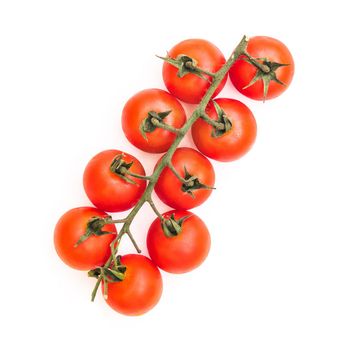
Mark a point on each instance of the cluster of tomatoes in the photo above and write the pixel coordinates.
(178, 241)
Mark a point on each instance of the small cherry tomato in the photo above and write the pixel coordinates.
(93, 251)
(107, 183)
(141, 288)
(191, 88)
(232, 142)
(255, 83)
(146, 107)
(198, 173)
(180, 244)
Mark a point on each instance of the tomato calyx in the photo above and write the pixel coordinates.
(173, 227)
(266, 71)
(109, 274)
(114, 273)
(191, 183)
(186, 65)
(223, 124)
(121, 168)
(152, 122)
(94, 227)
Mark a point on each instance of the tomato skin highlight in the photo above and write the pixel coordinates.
(169, 187)
(91, 253)
(242, 72)
(181, 253)
(136, 110)
(234, 143)
(191, 88)
(105, 189)
(141, 288)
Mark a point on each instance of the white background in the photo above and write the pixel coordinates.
(273, 277)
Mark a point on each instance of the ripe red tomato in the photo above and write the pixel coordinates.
(137, 110)
(108, 190)
(178, 195)
(140, 289)
(94, 251)
(270, 52)
(191, 88)
(233, 143)
(183, 251)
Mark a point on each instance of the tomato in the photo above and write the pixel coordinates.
(94, 251)
(268, 51)
(191, 88)
(140, 289)
(107, 189)
(182, 251)
(137, 113)
(231, 144)
(188, 163)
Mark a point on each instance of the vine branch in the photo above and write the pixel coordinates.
(155, 209)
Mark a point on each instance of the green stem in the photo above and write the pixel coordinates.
(116, 221)
(212, 122)
(165, 126)
(256, 63)
(129, 233)
(176, 173)
(166, 160)
(179, 177)
(97, 285)
(199, 70)
(142, 177)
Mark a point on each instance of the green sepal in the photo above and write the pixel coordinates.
(118, 265)
(121, 268)
(94, 227)
(142, 130)
(113, 275)
(265, 77)
(172, 227)
(83, 238)
(119, 167)
(192, 184)
(221, 118)
(164, 114)
(116, 273)
(184, 68)
(187, 175)
(147, 126)
(95, 272)
(182, 219)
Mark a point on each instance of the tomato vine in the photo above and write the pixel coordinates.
(222, 129)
